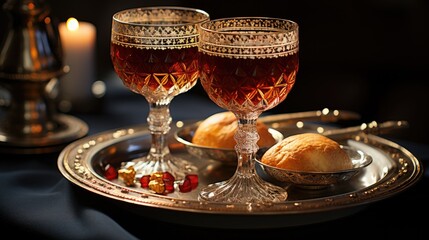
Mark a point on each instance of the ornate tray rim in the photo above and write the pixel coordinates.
(81, 151)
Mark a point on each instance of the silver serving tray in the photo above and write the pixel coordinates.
(393, 170)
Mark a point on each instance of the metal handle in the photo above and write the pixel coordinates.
(324, 115)
(373, 127)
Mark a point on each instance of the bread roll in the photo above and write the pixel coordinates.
(309, 152)
(218, 131)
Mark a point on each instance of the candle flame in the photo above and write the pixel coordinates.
(72, 24)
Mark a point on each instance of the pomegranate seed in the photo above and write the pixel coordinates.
(193, 178)
(169, 186)
(166, 176)
(185, 186)
(110, 172)
(144, 181)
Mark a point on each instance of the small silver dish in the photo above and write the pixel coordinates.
(315, 180)
(227, 156)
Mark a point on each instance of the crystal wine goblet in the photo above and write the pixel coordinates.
(154, 52)
(247, 65)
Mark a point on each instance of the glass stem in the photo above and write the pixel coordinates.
(247, 138)
(245, 186)
(159, 120)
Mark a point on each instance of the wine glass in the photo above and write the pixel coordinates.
(247, 65)
(154, 52)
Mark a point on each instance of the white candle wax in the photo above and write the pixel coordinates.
(78, 43)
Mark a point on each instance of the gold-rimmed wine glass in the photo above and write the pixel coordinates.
(154, 52)
(247, 65)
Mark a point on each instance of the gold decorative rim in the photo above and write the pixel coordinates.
(249, 37)
(169, 28)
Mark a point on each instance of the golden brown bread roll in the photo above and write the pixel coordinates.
(310, 152)
(218, 131)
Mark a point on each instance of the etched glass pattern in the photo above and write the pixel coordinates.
(157, 28)
(154, 52)
(247, 65)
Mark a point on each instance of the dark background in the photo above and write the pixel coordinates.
(365, 56)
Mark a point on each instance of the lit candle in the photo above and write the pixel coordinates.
(78, 43)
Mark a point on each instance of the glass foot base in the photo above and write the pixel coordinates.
(178, 167)
(241, 189)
